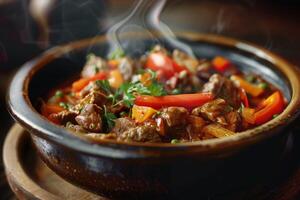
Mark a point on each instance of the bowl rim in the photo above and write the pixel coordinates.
(22, 110)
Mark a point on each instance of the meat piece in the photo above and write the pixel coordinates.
(91, 87)
(213, 111)
(75, 128)
(143, 133)
(93, 65)
(64, 116)
(223, 88)
(234, 121)
(90, 118)
(204, 70)
(126, 68)
(194, 127)
(183, 59)
(123, 124)
(159, 49)
(175, 116)
(94, 97)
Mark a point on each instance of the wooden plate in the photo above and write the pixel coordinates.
(30, 178)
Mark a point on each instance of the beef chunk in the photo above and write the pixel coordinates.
(219, 111)
(75, 128)
(91, 87)
(94, 97)
(174, 116)
(223, 88)
(94, 65)
(213, 111)
(204, 70)
(122, 125)
(143, 133)
(194, 127)
(234, 121)
(184, 59)
(64, 116)
(90, 118)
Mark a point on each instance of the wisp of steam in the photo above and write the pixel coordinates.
(145, 18)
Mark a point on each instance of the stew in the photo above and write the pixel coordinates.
(162, 97)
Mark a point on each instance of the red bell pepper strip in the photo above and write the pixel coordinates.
(188, 101)
(221, 64)
(81, 83)
(99, 76)
(273, 105)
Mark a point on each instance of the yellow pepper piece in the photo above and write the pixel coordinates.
(115, 78)
(248, 87)
(142, 113)
(248, 115)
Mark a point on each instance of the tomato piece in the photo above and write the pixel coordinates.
(221, 64)
(178, 68)
(188, 101)
(99, 76)
(160, 61)
(273, 105)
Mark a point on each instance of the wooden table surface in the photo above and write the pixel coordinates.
(272, 25)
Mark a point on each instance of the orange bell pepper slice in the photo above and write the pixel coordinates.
(115, 78)
(273, 105)
(142, 113)
(248, 87)
(248, 115)
(48, 109)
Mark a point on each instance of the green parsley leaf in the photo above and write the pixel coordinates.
(104, 85)
(109, 119)
(59, 94)
(64, 105)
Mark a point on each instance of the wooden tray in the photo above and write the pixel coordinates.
(30, 178)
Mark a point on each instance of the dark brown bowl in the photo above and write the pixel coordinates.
(137, 170)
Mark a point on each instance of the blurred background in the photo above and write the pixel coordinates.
(29, 27)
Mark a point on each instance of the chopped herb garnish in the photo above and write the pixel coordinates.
(129, 90)
(59, 94)
(89, 56)
(118, 53)
(109, 119)
(175, 141)
(104, 85)
(64, 105)
(176, 91)
(263, 85)
(250, 78)
(96, 69)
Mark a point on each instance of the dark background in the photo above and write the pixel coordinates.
(272, 24)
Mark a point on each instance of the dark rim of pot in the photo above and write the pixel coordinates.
(22, 110)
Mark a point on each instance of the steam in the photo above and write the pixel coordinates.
(145, 18)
